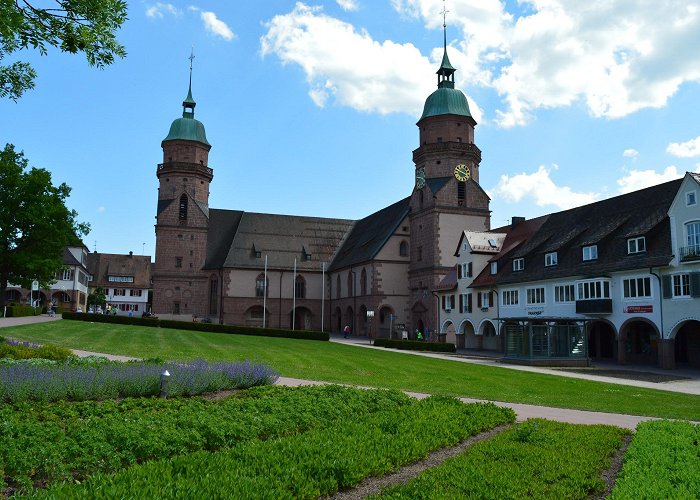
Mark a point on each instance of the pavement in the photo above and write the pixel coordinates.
(523, 411)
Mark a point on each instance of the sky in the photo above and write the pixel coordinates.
(310, 107)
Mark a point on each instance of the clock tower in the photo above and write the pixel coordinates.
(447, 198)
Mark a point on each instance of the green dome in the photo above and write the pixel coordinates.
(446, 101)
(187, 129)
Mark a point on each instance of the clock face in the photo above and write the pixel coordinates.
(462, 172)
(420, 177)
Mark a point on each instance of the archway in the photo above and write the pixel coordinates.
(687, 344)
(448, 329)
(13, 296)
(254, 316)
(385, 322)
(601, 341)
(302, 318)
(641, 340)
(350, 319)
(338, 315)
(490, 340)
(469, 337)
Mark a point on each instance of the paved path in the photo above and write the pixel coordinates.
(688, 386)
(27, 320)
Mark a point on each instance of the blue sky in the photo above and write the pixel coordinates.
(311, 106)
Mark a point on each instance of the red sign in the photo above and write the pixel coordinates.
(639, 309)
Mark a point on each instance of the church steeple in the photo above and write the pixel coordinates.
(188, 104)
(446, 73)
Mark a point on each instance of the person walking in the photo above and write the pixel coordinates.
(346, 331)
(419, 335)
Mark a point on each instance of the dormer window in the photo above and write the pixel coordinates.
(636, 245)
(590, 252)
(494, 267)
(518, 264)
(550, 259)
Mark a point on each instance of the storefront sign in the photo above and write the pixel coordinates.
(535, 312)
(638, 309)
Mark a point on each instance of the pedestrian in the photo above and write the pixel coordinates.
(346, 331)
(419, 335)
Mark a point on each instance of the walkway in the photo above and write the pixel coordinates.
(689, 385)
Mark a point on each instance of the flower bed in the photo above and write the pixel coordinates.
(663, 461)
(538, 459)
(42, 443)
(310, 465)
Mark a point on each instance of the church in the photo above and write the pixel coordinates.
(375, 275)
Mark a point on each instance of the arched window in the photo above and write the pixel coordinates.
(260, 286)
(213, 295)
(350, 287)
(337, 287)
(461, 192)
(300, 287)
(363, 283)
(403, 249)
(420, 199)
(183, 207)
(692, 230)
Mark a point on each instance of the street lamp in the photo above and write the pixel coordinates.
(370, 315)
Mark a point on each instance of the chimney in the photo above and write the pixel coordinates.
(516, 220)
(131, 254)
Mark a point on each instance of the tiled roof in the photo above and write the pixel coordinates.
(103, 265)
(222, 229)
(368, 235)
(607, 224)
(449, 282)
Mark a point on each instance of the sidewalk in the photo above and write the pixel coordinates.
(27, 320)
(689, 386)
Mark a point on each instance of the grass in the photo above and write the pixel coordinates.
(368, 367)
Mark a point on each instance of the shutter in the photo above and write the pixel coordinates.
(443, 302)
(461, 303)
(469, 303)
(452, 301)
(695, 284)
(666, 286)
(469, 270)
(490, 299)
(478, 300)
(459, 271)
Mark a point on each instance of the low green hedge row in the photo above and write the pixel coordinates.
(50, 352)
(199, 326)
(663, 461)
(537, 459)
(415, 345)
(42, 443)
(314, 464)
(19, 311)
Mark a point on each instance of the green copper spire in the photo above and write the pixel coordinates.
(187, 128)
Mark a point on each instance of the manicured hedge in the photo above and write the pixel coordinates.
(663, 461)
(199, 326)
(415, 345)
(537, 459)
(313, 464)
(19, 311)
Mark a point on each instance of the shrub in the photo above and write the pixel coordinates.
(14, 349)
(19, 311)
(106, 318)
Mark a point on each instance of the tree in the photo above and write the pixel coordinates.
(87, 26)
(35, 224)
(97, 298)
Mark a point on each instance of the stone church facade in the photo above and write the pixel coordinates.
(376, 275)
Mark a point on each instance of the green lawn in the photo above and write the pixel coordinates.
(333, 362)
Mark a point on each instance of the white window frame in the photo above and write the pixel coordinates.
(494, 267)
(518, 264)
(550, 259)
(67, 275)
(564, 294)
(536, 296)
(510, 298)
(691, 199)
(680, 283)
(485, 302)
(636, 288)
(596, 289)
(692, 238)
(592, 253)
(636, 245)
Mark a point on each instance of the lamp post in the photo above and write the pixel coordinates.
(164, 379)
(370, 315)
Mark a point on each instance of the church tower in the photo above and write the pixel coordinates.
(447, 198)
(182, 219)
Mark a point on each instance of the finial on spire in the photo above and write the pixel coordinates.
(189, 104)
(444, 23)
(446, 71)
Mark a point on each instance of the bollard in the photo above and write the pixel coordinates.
(164, 378)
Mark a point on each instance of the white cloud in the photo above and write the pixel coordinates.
(541, 189)
(216, 26)
(101, 209)
(635, 180)
(630, 153)
(348, 4)
(616, 57)
(159, 10)
(348, 65)
(687, 149)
